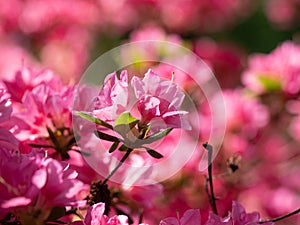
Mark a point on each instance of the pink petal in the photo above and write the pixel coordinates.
(191, 217)
(39, 178)
(16, 202)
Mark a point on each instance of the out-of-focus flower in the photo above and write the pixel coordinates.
(150, 44)
(159, 102)
(13, 56)
(126, 19)
(277, 71)
(205, 16)
(237, 216)
(59, 33)
(32, 184)
(66, 51)
(190, 217)
(245, 117)
(283, 14)
(225, 59)
(144, 195)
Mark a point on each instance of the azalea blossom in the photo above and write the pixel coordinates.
(113, 97)
(277, 71)
(237, 216)
(95, 216)
(190, 217)
(31, 183)
(45, 115)
(27, 79)
(159, 102)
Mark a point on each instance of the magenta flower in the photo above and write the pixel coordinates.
(277, 71)
(113, 97)
(159, 102)
(5, 105)
(45, 102)
(27, 79)
(95, 216)
(237, 216)
(45, 115)
(190, 217)
(31, 183)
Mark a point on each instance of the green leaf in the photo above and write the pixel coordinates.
(157, 136)
(113, 147)
(94, 119)
(126, 118)
(271, 84)
(124, 123)
(154, 153)
(106, 137)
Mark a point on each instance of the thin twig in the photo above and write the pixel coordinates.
(281, 217)
(206, 188)
(212, 195)
(118, 166)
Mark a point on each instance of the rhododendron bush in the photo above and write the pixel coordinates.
(149, 112)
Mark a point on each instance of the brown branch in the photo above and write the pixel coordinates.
(281, 217)
(212, 195)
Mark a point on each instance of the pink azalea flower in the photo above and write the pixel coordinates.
(113, 97)
(26, 79)
(95, 216)
(237, 216)
(276, 71)
(44, 118)
(7, 139)
(45, 106)
(30, 182)
(190, 217)
(159, 102)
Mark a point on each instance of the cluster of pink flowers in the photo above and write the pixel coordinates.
(237, 216)
(277, 71)
(62, 33)
(32, 184)
(130, 151)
